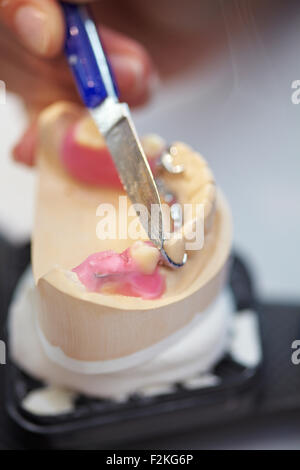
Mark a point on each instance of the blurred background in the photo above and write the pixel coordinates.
(226, 70)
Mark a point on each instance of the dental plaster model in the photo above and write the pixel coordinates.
(97, 310)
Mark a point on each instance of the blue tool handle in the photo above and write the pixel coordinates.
(86, 57)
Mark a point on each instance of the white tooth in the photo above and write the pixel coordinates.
(145, 256)
(53, 124)
(88, 135)
(175, 248)
(153, 145)
(195, 185)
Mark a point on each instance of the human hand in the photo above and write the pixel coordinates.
(33, 66)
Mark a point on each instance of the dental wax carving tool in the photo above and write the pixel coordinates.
(99, 93)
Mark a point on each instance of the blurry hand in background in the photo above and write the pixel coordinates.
(33, 66)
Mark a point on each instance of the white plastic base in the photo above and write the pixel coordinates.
(190, 352)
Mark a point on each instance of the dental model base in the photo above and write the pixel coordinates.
(196, 350)
(89, 332)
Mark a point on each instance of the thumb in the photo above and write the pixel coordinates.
(38, 24)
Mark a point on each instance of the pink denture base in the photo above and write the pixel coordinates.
(117, 273)
(89, 164)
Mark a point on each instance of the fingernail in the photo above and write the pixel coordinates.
(137, 69)
(130, 72)
(31, 26)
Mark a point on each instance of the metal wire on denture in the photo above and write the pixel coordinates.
(105, 275)
(166, 163)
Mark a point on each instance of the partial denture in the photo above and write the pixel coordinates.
(133, 273)
(85, 156)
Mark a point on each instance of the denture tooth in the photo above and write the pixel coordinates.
(87, 134)
(209, 191)
(53, 125)
(145, 256)
(195, 185)
(153, 145)
(175, 247)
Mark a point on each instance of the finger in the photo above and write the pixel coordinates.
(25, 150)
(40, 27)
(132, 66)
(38, 24)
